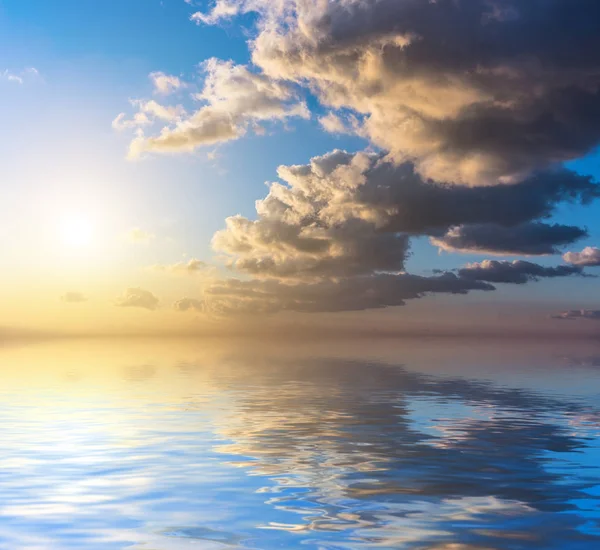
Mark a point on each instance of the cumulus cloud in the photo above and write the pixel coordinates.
(517, 272)
(192, 267)
(474, 92)
(588, 257)
(165, 84)
(314, 228)
(136, 235)
(531, 239)
(73, 297)
(352, 214)
(189, 304)
(138, 297)
(590, 314)
(234, 99)
(474, 106)
(349, 294)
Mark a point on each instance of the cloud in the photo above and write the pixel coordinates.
(333, 124)
(473, 107)
(349, 294)
(122, 123)
(138, 297)
(223, 9)
(137, 235)
(165, 84)
(192, 267)
(189, 304)
(73, 297)
(590, 314)
(352, 214)
(588, 257)
(530, 239)
(234, 100)
(21, 76)
(148, 113)
(314, 228)
(517, 272)
(473, 92)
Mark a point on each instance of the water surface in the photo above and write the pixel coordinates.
(416, 445)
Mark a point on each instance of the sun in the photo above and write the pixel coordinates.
(76, 231)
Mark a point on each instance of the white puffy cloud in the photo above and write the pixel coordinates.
(316, 226)
(588, 257)
(223, 9)
(234, 100)
(165, 84)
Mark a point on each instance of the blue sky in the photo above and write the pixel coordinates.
(90, 71)
(92, 59)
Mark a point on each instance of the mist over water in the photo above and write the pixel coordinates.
(417, 445)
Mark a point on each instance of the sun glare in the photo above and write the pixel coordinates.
(76, 231)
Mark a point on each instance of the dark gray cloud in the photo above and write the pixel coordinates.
(350, 294)
(350, 214)
(531, 239)
(517, 272)
(419, 206)
(590, 314)
(472, 91)
(588, 257)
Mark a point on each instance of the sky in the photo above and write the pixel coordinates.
(185, 166)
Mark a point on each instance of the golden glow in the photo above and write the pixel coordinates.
(76, 231)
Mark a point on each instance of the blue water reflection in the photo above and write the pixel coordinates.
(294, 450)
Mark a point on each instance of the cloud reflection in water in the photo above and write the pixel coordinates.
(252, 450)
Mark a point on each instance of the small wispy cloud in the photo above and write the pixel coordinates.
(148, 113)
(165, 84)
(192, 267)
(73, 297)
(20, 76)
(139, 298)
(574, 314)
(189, 304)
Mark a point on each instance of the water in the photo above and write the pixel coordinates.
(416, 445)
